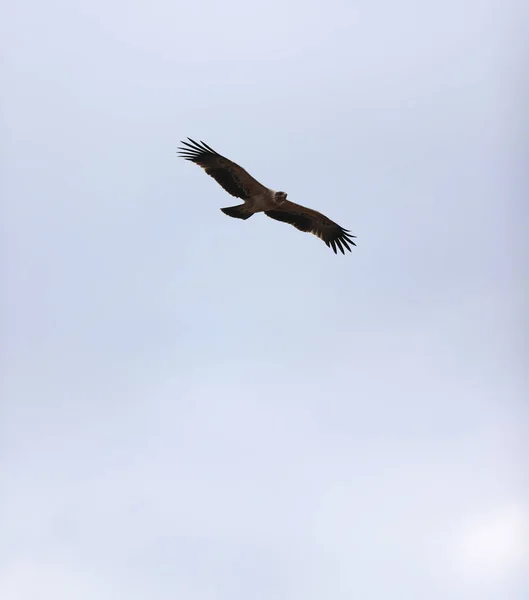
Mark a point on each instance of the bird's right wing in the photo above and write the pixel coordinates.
(233, 178)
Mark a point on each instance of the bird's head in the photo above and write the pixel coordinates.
(281, 196)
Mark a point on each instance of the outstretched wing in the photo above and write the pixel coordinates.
(233, 178)
(306, 219)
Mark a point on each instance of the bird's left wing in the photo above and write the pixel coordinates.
(311, 221)
(233, 178)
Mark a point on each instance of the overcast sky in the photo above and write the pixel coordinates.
(205, 408)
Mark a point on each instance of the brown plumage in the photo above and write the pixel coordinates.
(258, 198)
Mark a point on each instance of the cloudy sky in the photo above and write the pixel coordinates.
(204, 408)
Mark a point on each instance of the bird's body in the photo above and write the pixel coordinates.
(258, 198)
(261, 202)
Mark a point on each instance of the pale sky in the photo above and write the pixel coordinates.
(204, 408)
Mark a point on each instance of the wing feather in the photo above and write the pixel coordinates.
(312, 221)
(233, 178)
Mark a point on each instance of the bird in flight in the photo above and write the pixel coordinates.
(258, 198)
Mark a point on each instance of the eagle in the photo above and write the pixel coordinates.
(258, 198)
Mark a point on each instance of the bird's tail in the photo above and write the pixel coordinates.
(237, 212)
